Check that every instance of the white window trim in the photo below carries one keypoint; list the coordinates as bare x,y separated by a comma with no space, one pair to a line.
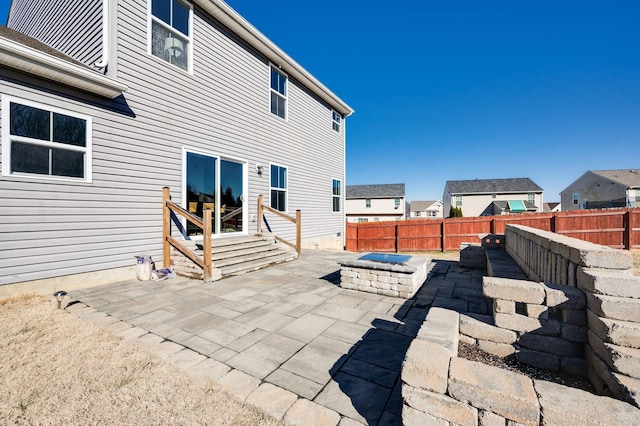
333,121
150,19
333,196
7,138
286,93
286,189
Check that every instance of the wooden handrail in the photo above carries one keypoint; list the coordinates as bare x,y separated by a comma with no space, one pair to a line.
295,220
169,206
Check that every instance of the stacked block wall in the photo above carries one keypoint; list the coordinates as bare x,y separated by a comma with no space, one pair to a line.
612,295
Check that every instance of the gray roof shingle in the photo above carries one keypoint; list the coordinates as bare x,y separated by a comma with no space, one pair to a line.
492,186
390,190
628,177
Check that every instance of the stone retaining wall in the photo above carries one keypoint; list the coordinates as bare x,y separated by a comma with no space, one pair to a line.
439,388
612,293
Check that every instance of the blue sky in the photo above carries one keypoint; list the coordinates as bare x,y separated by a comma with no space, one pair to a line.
447,90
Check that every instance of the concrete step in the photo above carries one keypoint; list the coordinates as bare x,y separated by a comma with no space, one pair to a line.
246,256
265,262
237,255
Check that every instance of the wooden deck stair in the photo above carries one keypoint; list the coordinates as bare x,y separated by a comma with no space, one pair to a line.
234,256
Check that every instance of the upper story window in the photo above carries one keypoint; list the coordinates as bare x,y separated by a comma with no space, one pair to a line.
278,93
170,31
336,195
367,203
336,121
575,199
279,188
532,198
38,140
637,194
458,200
396,203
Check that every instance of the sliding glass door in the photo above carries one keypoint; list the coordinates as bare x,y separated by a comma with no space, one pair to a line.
217,184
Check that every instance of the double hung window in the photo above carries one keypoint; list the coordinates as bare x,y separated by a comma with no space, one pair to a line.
47,142
367,203
278,93
336,195
170,27
458,200
336,121
279,188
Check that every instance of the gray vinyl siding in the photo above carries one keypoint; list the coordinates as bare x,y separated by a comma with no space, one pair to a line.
73,27
53,228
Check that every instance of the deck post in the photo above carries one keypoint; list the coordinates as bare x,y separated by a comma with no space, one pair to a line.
166,227
299,232
260,213
206,243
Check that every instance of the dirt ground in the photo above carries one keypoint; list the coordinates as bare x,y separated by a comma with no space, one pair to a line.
56,368
636,261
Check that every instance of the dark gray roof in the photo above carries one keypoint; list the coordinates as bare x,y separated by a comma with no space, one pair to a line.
390,190
628,177
33,43
492,186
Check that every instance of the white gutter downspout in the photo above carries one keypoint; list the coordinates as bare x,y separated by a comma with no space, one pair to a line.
105,35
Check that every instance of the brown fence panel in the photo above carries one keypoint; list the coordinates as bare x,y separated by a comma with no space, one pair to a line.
419,235
377,236
634,228
464,230
539,221
605,227
618,228
351,238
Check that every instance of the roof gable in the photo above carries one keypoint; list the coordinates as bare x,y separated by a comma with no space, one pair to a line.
492,186
392,190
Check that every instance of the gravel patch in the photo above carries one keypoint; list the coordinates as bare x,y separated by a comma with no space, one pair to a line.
473,353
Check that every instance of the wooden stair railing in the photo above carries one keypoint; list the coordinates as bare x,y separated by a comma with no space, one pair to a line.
295,220
169,206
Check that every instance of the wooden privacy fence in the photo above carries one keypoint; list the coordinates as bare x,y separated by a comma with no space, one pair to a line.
618,228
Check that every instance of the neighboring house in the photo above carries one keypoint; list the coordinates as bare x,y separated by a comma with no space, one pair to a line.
488,197
601,189
130,96
426,209
551,207
375,203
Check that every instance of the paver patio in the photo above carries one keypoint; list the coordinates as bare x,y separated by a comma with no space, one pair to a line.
287,334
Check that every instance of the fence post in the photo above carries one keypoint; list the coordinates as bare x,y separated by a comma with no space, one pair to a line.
396,232
552,224
166,227
628,230
442,239
492,226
